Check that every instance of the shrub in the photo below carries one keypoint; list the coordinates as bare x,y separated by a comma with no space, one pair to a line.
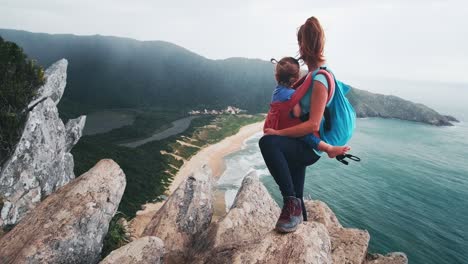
116,236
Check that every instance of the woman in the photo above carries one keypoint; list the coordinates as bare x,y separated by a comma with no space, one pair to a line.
285,155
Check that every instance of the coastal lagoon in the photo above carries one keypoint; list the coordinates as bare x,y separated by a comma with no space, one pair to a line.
176,127
107,120
410,191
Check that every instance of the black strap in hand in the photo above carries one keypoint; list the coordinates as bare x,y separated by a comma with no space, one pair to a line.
341,158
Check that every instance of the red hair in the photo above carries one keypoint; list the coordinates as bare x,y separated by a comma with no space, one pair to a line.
311,39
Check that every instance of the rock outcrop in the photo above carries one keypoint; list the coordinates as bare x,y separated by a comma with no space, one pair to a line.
349,245
391,258
69,226
309,244
241,222
41,161
368,104
145,250
184,216
245,234
56,76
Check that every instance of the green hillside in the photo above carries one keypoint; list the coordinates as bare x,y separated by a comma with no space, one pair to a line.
110,72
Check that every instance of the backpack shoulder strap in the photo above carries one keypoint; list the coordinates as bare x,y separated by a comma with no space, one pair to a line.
330,80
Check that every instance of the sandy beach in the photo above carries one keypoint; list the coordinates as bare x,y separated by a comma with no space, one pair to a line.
213,155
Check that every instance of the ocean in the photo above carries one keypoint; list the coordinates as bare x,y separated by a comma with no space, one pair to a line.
410,191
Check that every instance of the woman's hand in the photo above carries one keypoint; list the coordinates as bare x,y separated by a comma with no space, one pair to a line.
271,131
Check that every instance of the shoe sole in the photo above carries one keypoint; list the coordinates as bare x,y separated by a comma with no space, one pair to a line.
287,230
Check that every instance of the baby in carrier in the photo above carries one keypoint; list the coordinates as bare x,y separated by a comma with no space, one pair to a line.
286,74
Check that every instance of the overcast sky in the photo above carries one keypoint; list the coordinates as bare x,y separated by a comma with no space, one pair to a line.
419,40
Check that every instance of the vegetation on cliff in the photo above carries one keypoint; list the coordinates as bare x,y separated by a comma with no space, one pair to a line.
19,79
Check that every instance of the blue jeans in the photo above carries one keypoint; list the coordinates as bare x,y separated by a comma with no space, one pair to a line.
287,159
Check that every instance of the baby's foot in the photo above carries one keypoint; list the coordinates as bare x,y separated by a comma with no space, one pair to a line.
336,150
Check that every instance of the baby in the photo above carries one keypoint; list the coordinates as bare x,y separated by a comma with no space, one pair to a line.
286,74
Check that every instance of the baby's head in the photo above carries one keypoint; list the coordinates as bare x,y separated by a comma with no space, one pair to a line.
287,71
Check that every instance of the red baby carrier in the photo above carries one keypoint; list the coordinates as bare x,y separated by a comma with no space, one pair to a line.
343,120
279,117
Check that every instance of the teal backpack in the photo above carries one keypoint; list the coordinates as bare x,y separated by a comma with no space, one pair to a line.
339,122
339,119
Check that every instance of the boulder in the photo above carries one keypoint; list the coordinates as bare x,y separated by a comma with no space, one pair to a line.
41,161
391,258
348,245
245,234
309,244
319,211
145,250
184,216
69,226
252,215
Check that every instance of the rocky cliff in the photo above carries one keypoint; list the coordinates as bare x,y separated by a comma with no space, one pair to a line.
41,161
69,226
245,234
369,104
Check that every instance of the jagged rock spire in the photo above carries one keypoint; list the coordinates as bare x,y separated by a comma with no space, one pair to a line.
41,161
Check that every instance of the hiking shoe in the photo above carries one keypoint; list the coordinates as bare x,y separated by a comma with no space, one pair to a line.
291,215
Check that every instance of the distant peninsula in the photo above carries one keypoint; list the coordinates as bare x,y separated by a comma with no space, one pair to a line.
369,104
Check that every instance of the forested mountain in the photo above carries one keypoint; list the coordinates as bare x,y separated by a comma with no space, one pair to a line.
112,72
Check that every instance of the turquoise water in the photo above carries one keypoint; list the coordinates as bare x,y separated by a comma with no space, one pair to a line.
410,191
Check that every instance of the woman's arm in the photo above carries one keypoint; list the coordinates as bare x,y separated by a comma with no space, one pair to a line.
318,101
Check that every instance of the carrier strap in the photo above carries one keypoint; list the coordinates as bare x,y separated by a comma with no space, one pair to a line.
303,85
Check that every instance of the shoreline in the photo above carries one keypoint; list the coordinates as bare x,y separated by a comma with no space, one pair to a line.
213,155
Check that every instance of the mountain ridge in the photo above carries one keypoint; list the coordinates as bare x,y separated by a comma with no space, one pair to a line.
117,72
